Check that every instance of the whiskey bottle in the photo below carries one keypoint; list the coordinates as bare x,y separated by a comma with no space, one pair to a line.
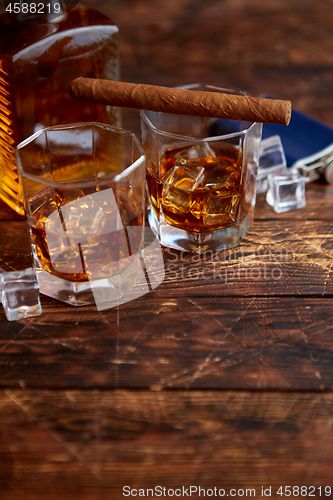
42,48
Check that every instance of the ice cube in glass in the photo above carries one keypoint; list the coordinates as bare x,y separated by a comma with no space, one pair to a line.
220,206
195,152
181,181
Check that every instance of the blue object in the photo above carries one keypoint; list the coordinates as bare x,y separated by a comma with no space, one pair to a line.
304,136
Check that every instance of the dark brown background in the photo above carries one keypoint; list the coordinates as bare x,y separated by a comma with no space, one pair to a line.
280,47
200,382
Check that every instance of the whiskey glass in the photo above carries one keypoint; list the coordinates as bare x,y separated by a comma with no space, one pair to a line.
201,177
84,194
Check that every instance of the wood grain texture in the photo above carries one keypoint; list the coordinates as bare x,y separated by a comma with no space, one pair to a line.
282,47
85,445
185,342
222,376
258,316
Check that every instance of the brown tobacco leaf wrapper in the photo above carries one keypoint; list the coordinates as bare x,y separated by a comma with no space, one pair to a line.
181,101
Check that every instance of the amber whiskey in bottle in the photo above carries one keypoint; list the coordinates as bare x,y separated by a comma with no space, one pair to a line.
40,53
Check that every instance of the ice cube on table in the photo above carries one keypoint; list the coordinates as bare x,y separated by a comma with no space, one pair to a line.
20,294
272,160
181,181
286,191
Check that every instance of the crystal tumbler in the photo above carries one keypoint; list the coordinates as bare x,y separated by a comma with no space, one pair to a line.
201,187
84,190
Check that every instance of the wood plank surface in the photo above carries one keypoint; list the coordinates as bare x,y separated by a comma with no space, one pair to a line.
288,253
222,376
74,444
234,343
257,317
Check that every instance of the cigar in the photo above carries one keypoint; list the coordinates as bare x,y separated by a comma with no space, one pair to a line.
181,101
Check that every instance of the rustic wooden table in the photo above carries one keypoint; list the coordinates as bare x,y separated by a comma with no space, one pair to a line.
221,377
